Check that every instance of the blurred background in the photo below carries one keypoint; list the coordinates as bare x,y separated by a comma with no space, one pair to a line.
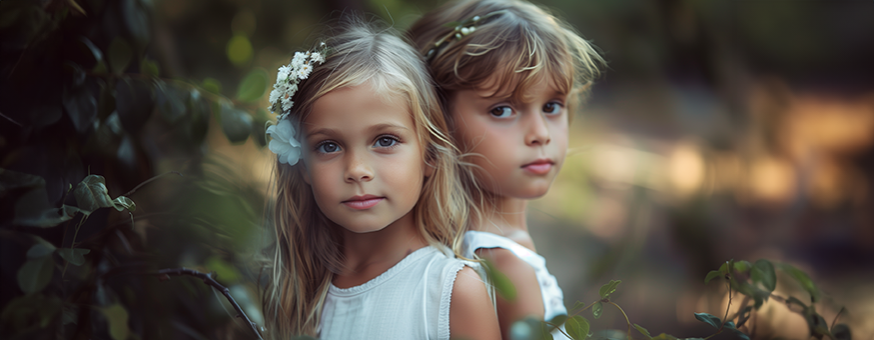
721,130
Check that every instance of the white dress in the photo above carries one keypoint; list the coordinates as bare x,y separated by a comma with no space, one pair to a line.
553,298
408,301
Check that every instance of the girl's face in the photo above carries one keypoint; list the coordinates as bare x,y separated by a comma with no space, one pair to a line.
362,158
518,146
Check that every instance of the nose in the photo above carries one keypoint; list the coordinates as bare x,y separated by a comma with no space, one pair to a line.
537,132
357,168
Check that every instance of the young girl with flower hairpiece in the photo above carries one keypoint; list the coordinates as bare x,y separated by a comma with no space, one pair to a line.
369,212
508,74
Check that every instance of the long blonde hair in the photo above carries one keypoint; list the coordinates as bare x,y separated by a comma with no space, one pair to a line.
308,251
515,44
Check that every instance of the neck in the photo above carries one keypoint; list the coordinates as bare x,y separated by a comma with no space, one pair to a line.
504,215
366,255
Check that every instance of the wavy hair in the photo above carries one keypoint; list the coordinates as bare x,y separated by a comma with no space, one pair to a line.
308,246
514,46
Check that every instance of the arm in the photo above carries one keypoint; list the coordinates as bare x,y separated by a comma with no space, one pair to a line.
528,301
471,315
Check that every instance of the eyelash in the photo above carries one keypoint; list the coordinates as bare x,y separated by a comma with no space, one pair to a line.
394,139
499,109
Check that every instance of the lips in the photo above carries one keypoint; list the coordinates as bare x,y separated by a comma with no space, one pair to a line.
363,202
539,167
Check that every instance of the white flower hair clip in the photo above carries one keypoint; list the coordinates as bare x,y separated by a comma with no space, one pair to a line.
283,142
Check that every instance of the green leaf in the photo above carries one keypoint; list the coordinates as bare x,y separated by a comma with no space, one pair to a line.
236,123
737,332
212,85
40,250
558,320
804,280
121,203
708,319
134,102
712,275
763,272
742,266
577,327
198,120
35,274
117,317
171,102
120,55
608,288
24,310
91,194
644,331
75,256
81,106
70,314
95,53
253,86
597,309
842,332
664,336
578,305
149,67
503,286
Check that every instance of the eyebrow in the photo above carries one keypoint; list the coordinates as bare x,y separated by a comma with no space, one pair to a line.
374,128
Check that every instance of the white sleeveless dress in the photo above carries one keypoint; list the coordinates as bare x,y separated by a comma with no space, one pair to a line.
553,298
408,301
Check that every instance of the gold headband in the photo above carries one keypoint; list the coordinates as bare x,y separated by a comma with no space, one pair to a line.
461,30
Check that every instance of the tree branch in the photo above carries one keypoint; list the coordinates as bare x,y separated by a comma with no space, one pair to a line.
164,274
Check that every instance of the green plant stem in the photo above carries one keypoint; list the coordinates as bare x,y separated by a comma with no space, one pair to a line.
837,316
623,314
559,329
585,308
127,194
723,321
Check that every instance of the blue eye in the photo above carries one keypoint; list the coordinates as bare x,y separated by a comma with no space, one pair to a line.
501,112
328,147
552,108
386,142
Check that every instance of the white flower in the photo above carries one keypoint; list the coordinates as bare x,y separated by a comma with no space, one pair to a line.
283,143
287,104
317,57
299,59
282,75
275,94
304,71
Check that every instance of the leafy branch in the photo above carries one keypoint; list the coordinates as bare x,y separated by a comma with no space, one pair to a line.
164,274
755,281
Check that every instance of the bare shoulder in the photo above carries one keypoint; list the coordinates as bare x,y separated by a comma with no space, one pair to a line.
471,315
528,300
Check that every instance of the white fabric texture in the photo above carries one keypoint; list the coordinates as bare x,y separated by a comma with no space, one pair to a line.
553,298
408,301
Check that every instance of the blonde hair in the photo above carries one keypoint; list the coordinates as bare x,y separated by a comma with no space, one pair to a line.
515,44
308,245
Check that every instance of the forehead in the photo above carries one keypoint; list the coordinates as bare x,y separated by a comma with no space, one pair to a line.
351,108
518,87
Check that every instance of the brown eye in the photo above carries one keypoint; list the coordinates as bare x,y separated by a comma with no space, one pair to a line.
552,108
501,112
